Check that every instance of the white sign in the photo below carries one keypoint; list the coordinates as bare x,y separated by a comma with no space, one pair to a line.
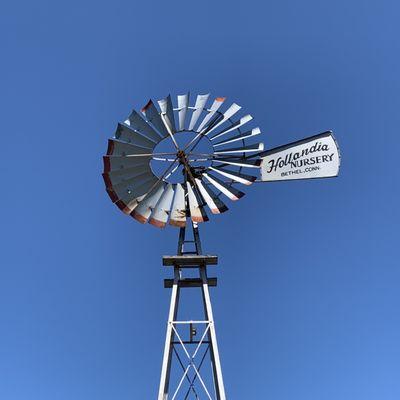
315,157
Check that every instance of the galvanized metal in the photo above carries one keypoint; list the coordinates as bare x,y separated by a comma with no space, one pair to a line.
198,108
183,104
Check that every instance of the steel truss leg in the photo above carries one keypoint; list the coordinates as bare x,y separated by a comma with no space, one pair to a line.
215,361
166,365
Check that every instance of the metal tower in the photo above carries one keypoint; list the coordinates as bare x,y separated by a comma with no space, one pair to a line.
191,366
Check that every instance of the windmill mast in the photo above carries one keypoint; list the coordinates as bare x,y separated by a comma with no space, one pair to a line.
201,339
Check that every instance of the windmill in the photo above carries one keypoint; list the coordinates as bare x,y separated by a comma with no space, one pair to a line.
175,165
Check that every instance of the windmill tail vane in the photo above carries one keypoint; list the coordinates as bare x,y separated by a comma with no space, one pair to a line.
173,165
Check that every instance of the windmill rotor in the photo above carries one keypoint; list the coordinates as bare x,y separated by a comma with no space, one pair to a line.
206,161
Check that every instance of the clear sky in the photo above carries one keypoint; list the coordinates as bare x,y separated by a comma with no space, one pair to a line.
308,301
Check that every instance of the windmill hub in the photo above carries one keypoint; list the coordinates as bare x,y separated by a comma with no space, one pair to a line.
181,157
178,150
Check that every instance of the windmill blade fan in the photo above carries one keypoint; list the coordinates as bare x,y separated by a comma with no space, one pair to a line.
211,112
197,211
235,176
154,117
188,179
120,163
129,135
236,138
178,210
238,162
167,114
136,122
231,111
229,191
113,178
144,208
244,149
201,101
121,148
159,215
183,104
215,204
234,126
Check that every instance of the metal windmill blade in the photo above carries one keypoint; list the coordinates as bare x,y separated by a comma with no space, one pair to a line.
159,215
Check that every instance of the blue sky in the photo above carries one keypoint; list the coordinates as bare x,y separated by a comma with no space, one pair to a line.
308,300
